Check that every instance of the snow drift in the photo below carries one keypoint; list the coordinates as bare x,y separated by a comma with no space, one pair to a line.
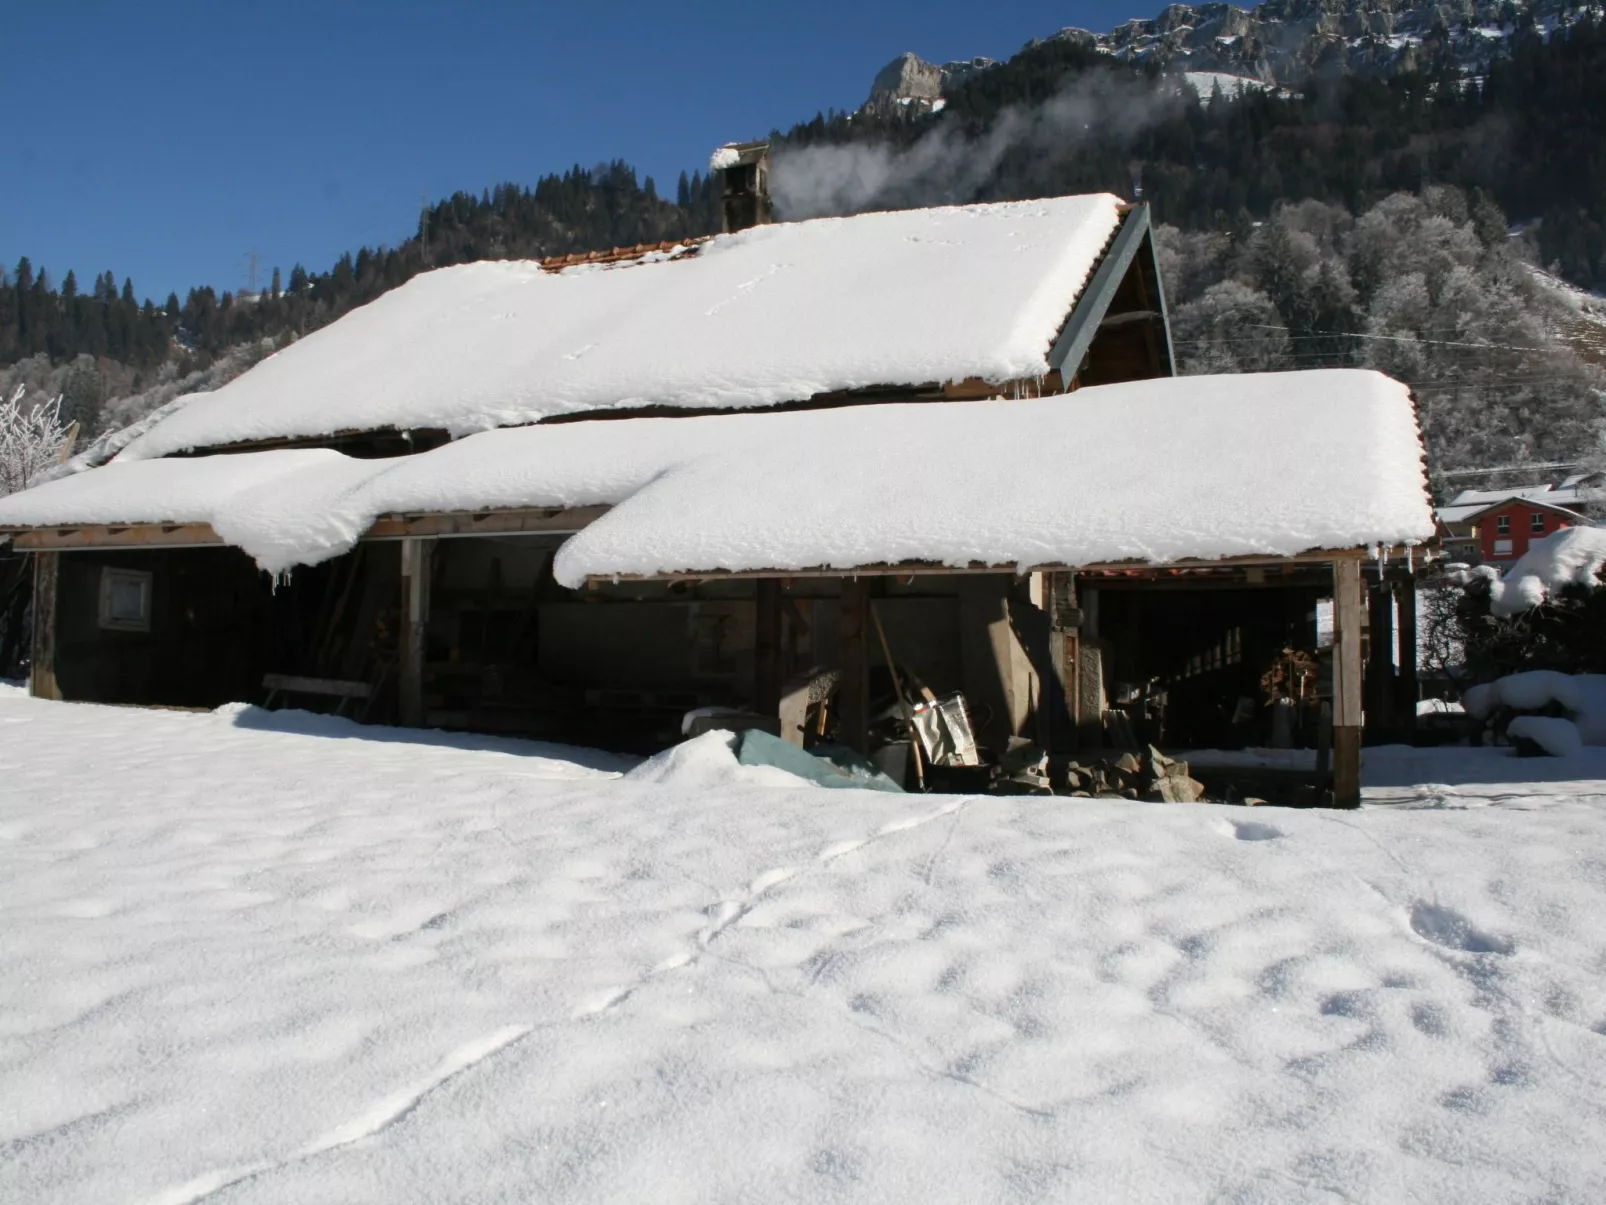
257,967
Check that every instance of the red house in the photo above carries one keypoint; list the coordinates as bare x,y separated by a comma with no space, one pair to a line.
1504,530
1498,525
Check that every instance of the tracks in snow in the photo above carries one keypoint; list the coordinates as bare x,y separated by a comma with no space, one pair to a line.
728,912
375,1119
392,1108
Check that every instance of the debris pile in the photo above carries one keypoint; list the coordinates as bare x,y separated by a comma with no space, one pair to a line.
1153,777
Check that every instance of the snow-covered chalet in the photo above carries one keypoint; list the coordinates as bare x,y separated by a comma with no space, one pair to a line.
773,471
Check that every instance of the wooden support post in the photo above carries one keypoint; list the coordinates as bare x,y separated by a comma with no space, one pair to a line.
1059,684
42,658
1324,749
417,559
1090,695
854,691
767,647
1379,689
1347,683
1406,688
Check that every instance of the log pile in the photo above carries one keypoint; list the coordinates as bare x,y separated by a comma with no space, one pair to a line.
1152,776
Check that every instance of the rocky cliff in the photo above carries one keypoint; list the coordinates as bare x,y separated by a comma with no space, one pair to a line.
910,80
1281,41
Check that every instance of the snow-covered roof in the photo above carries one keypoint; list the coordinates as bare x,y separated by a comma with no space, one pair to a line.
1468,504
769,315
1149,471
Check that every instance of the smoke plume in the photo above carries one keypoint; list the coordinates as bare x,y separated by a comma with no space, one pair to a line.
947,166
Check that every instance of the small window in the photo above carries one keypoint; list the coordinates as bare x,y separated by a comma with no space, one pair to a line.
125,600
1502,548
1536,522
1502,524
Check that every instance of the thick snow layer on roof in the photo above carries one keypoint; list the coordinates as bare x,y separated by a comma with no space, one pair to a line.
773,314
1572,493
724,157
1572,556
1150,471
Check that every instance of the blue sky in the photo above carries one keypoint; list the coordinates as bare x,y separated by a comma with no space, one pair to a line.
166,140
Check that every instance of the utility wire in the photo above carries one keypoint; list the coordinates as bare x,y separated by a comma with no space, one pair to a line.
1257,326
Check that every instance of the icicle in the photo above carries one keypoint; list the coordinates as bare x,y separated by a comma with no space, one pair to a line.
1410,557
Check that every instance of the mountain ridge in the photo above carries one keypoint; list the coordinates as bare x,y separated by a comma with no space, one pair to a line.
1279,42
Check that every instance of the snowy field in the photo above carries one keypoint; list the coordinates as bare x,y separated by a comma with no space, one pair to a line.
241,963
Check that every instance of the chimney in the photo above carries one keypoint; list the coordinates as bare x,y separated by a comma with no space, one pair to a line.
744,168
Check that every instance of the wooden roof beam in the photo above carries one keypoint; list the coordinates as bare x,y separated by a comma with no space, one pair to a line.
1130,570
1076,337
452,525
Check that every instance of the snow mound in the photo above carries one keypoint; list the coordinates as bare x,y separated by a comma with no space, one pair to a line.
1572,556
709,761
773,314
1438,707
1556,736
1582,696
1028,482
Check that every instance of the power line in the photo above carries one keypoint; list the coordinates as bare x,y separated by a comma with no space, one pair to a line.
1529,466
1382,338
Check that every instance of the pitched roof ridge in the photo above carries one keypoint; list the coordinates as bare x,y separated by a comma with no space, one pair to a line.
621,255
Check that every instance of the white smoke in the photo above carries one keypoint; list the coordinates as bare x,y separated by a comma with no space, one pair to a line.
949,167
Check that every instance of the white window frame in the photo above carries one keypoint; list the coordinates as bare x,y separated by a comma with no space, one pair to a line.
110,578
1536,523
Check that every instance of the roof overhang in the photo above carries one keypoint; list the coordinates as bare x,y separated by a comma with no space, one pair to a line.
449,525
1268,570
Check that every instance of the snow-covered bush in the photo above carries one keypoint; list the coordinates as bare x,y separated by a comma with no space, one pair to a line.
1561,713
1545,612
31,439
1571,557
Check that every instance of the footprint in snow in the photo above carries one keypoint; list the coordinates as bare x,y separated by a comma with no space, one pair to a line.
832,852
770,878
1448,928
1254,830
1430,1019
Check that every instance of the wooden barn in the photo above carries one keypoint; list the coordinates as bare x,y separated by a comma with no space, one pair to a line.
817,475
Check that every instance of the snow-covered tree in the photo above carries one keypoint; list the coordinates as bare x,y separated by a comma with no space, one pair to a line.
1425,286
32,438
1233,327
